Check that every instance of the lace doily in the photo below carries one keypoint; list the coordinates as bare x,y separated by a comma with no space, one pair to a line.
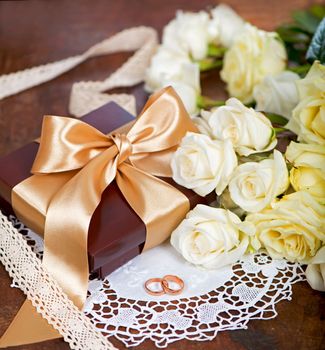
212,301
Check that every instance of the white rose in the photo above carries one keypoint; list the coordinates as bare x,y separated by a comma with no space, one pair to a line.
249,131
254,55
211,237
202,123
202,164
254,186
227,24
188,32
188,95
187,86
315,272
170,68
291,228
277,94
168,65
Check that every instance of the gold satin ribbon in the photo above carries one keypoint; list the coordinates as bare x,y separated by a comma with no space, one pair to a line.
74,164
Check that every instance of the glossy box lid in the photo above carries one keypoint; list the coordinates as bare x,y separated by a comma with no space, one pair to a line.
115,229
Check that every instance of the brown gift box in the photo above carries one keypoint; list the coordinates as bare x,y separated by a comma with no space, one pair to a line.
116,233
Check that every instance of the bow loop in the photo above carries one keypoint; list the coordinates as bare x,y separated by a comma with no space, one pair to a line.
161,125
67,144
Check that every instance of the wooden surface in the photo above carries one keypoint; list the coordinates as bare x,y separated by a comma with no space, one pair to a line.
36,32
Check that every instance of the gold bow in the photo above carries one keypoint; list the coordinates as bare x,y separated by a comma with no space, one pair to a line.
74,164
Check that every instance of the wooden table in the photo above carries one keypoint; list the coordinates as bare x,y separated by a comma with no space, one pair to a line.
36,32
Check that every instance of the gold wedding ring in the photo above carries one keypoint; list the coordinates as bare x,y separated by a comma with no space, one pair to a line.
171,278
154,292
165,285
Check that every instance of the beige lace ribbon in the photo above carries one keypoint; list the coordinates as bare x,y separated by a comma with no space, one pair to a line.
87,96
44,292
21,263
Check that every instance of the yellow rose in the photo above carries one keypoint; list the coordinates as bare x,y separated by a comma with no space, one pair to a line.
310,180
315,272
306,155
292,228
308,118
254,55
308,172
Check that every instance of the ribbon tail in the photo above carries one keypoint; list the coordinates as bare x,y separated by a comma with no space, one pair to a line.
67,225
159,205
27,327
64,259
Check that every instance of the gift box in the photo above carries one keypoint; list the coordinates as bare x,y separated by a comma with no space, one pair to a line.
116,233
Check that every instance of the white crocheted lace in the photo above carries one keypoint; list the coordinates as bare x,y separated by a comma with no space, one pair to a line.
87,96
43,291
212,301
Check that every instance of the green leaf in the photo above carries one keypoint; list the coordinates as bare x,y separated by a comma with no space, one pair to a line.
216,51
250,104
209,63
256,157
276,119
295,56
301,70
306,20
273,134
318,11
293,34
207,103
316,50
279,130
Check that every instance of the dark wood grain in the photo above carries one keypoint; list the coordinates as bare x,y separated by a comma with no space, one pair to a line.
36,32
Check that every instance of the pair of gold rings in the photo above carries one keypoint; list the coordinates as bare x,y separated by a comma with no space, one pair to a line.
165,285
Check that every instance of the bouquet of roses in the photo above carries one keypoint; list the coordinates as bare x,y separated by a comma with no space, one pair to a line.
266,199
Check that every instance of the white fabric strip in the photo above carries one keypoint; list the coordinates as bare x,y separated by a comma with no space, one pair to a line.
87,96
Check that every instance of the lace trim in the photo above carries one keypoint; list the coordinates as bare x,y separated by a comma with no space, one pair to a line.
45,294
87,96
